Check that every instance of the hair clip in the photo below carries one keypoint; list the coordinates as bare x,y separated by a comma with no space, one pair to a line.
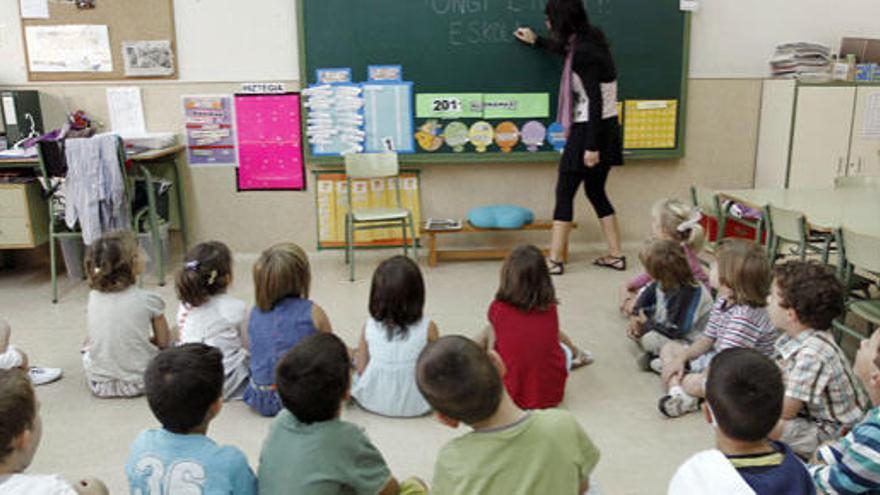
690,223
212,277
192,265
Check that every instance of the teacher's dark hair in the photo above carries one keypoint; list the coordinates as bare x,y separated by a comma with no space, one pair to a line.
569,17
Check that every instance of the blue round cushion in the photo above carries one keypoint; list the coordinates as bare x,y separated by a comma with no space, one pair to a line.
500,217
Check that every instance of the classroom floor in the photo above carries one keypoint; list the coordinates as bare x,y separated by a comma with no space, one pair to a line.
614,401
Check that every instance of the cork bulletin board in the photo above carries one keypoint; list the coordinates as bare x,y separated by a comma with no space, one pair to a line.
126,21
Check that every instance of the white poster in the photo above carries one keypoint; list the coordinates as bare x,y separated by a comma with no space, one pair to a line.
71,48
871,126
126,111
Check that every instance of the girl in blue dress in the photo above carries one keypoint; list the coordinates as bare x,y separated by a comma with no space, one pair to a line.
283,316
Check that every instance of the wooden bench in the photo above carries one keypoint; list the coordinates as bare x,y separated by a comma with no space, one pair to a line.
435,255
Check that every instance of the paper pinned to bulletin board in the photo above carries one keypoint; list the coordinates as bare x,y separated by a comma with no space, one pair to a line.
210,134
270,154
69,48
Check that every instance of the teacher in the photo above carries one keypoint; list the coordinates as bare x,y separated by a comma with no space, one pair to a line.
588,113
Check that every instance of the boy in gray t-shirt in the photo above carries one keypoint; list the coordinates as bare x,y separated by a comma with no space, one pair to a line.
310,450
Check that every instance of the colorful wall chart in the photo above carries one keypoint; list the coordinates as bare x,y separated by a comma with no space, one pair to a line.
270,155
332,203
649,124
210,135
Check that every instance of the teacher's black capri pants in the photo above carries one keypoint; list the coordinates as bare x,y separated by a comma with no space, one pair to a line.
572,172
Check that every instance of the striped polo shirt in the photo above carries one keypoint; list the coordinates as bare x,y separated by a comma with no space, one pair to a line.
740,325
852,463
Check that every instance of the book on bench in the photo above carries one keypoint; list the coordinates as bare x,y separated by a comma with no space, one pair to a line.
443,224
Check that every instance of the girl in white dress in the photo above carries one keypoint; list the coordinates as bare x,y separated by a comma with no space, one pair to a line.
208,315
391,340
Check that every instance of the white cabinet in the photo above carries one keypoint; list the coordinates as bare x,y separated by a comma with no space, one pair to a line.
777,110
811,134
821,136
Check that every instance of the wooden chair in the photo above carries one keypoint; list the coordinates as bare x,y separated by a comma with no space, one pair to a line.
860,252
790,227
372,166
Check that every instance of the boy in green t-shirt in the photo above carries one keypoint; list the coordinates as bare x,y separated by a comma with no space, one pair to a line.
309,450
509,451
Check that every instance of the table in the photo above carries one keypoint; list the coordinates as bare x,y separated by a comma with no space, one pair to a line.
435,254
19,162
826,209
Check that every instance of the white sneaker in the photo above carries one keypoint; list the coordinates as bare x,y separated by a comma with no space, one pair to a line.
676,405
42,376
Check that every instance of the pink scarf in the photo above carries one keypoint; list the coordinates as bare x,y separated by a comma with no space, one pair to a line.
565,106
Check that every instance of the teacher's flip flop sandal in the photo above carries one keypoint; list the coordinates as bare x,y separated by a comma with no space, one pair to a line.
555,267
614,262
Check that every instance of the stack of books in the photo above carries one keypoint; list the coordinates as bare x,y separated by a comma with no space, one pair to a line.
801,60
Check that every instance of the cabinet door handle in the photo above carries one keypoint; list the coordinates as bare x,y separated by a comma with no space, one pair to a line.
859,167
839,165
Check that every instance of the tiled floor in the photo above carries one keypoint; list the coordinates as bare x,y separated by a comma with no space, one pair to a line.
615,403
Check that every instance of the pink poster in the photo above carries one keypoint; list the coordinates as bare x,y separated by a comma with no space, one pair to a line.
270,155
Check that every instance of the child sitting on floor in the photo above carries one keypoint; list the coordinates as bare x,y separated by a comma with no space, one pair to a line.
208,315
675,221
309,449
524,330
852,464
184,387
127,325
741,274
284,315
391,341
509,451
743,403
673,307
20,431
822,396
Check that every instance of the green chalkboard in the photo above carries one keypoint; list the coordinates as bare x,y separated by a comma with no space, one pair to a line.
467,46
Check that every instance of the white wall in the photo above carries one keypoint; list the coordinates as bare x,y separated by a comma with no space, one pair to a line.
736,38
235,40
217,41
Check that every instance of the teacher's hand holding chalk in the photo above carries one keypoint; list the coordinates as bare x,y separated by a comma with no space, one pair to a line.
526,35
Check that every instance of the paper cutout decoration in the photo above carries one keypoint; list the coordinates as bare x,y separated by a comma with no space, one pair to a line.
481,135
516,106
269,142
650,124
456,136
429,137
388,119
506,136
556,135
533,135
